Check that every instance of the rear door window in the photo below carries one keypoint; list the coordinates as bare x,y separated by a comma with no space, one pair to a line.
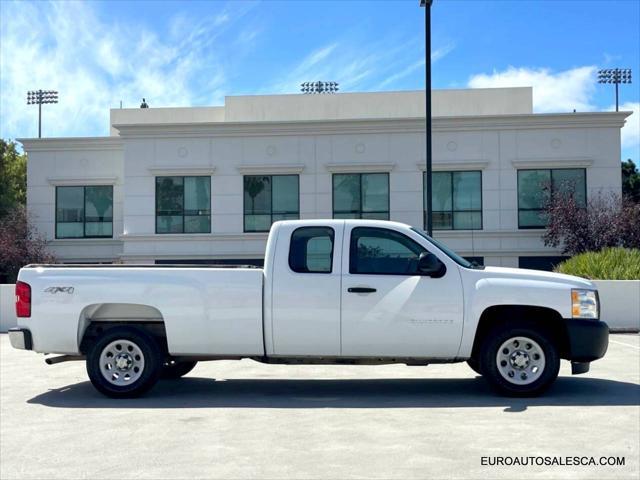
311,250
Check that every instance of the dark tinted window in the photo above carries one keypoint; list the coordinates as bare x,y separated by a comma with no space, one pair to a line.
361,195
382,251
183,204
475,260
84,212
547,263
269,198
535,188
311,250
457,200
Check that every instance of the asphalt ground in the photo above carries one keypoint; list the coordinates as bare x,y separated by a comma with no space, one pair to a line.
238,420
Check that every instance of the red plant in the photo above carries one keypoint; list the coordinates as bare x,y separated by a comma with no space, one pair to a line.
20,244
605,221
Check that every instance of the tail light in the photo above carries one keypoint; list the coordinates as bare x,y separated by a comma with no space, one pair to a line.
23,299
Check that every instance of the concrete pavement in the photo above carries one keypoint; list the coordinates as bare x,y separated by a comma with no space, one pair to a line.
243,419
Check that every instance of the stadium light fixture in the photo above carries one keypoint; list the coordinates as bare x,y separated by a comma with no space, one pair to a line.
615,76
38,97
310,88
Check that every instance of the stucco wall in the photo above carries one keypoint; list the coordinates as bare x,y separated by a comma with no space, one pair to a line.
7,307
620,303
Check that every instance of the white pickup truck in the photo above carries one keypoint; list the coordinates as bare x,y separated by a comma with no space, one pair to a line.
332,292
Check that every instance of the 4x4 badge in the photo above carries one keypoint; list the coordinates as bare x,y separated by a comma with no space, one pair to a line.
59,289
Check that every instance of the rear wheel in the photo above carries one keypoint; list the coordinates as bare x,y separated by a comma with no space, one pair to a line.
520,360
172,369
124,362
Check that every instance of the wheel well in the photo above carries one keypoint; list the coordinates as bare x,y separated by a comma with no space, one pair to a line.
550,320
96,329
97,318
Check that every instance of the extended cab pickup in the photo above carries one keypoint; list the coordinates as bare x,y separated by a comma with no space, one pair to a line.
331,291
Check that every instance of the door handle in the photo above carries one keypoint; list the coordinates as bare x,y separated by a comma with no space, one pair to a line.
361,290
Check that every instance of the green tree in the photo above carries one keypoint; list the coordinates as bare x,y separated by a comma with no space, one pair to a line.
13,177
631,180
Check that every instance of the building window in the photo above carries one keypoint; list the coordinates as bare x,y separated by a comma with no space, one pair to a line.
269,198
361,195
311,250
84,212
183,204
535,188
456,200
547,263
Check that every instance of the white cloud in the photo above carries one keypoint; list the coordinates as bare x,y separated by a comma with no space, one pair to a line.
356,63
552,91
94,65
631,131
441,52
401,74
412,67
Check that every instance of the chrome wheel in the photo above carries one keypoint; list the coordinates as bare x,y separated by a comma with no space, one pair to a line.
121,362
520,360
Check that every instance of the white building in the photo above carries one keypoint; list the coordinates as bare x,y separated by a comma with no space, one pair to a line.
204,184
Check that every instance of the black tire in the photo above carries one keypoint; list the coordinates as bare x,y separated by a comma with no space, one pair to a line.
474,365
172,370
147,375
496,339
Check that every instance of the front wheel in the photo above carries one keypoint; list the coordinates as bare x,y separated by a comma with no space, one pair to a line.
520,361
124,362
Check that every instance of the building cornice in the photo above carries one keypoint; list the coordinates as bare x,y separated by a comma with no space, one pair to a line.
359,167
71,143
462,164
552,162
182,171
273,169
78,242
404,125
66,181
198,237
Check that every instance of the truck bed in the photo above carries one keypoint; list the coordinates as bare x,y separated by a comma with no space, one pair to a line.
206,310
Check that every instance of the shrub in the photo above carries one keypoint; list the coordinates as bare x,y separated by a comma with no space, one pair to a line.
20,244
607,264
605,221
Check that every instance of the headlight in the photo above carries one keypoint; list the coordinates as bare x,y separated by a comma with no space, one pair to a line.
584,304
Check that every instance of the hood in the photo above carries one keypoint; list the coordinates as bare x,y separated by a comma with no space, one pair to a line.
525,274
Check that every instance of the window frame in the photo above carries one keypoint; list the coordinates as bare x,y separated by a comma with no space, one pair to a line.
360,211
352,250
453,211
244,213
84,213
156,177
550,170
333,245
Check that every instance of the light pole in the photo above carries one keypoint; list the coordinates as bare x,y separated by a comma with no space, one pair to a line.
616,76
39,97
427,93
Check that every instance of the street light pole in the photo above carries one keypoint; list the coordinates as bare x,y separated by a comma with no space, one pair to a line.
427,80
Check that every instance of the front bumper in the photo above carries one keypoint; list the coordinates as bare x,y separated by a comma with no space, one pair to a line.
588,339
20,338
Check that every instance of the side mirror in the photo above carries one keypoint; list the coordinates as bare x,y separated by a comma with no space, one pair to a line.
428,264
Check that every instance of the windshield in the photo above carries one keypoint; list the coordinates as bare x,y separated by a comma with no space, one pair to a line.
450,253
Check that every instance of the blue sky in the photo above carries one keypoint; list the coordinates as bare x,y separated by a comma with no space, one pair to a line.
196,52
